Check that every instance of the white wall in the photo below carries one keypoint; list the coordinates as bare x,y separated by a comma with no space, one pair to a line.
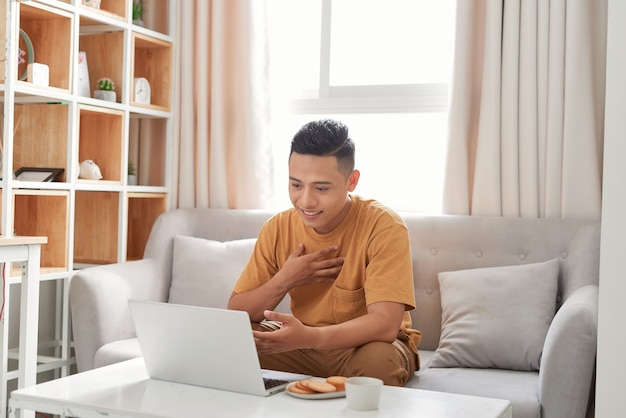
611,371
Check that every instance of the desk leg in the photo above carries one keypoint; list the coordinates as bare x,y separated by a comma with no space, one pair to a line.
4,339
15,412
29,321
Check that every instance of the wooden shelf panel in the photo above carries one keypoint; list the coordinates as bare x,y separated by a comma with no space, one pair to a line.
143,210
96,221
41,136
44,213
152,59
100,139
105,52
50,31
147,149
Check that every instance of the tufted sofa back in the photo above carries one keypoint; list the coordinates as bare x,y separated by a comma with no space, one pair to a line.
448,243
438,243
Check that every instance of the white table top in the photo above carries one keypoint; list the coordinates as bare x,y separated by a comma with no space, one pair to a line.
124,389
21,240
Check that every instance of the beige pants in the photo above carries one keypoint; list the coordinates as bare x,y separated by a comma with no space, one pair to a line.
393,363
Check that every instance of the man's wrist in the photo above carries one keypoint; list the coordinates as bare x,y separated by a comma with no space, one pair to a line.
280,283
318,337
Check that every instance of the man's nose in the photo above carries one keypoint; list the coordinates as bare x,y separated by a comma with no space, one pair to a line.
308,198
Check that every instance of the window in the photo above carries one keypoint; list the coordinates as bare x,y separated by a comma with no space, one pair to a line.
380,66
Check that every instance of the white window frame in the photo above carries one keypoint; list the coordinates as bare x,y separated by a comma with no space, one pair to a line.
409,98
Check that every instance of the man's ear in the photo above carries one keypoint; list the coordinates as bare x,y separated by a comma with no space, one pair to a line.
353,180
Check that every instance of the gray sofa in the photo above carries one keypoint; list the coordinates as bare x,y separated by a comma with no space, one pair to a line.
484,323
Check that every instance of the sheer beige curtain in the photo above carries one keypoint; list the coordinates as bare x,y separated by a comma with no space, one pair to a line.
527,109
222,154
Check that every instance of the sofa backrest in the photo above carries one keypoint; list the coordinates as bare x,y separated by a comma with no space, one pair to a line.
213,224
449,243
438,243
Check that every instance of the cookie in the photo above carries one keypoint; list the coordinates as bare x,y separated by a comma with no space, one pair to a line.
302,384
296,389
319,386
337,381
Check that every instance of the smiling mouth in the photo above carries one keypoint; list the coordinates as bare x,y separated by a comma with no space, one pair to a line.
310,213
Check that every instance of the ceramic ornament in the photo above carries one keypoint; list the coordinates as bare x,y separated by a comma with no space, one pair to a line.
89,170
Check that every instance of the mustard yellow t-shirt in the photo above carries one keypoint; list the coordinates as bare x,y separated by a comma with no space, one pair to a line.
374,241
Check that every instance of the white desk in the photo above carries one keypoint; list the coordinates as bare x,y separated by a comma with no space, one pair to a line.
124,390
26,249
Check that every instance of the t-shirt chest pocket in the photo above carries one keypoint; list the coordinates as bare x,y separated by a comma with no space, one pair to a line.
348,304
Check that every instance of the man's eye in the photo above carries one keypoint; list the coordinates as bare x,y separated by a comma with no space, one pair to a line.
321,189
296,185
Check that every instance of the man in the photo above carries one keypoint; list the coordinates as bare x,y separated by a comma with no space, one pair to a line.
346,264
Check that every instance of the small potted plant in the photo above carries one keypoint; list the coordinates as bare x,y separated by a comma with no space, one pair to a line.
138,11
132,177
105,90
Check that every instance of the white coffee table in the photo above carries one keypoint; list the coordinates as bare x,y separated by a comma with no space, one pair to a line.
124,390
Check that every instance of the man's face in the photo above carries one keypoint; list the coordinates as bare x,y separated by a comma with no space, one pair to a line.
319,191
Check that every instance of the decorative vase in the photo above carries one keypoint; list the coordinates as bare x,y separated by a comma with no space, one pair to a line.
132,180
108,95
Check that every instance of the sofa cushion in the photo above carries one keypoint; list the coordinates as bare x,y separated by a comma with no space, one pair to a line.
204,272
519,387
496,317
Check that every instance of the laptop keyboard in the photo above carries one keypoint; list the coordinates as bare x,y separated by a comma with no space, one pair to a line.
272,383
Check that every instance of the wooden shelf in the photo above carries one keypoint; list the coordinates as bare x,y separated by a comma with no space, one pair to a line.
40,138
96,227
147,149
105,54
143,209
152,59
44,213
50,31
53,127
100,139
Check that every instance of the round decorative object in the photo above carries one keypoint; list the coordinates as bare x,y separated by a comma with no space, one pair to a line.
25,57
142,90
89,170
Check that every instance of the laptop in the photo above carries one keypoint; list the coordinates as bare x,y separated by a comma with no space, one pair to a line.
207,347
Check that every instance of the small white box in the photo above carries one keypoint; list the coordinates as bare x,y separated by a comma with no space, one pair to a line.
38,74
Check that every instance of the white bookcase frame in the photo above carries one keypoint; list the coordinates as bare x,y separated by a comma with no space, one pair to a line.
87,222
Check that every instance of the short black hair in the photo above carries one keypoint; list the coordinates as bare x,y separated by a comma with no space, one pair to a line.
326,137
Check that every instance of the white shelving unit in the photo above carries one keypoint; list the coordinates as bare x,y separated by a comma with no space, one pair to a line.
87,222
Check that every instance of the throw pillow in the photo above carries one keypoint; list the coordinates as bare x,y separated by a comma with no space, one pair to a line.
204,272
496,317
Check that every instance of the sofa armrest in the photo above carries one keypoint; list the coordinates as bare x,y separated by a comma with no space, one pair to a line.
99,303
569,353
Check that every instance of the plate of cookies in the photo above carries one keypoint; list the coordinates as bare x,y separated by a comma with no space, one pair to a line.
313,388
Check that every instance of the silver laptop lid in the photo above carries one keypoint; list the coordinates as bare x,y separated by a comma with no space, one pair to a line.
199,346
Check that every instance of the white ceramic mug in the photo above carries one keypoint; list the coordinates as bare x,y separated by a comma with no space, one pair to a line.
363,393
